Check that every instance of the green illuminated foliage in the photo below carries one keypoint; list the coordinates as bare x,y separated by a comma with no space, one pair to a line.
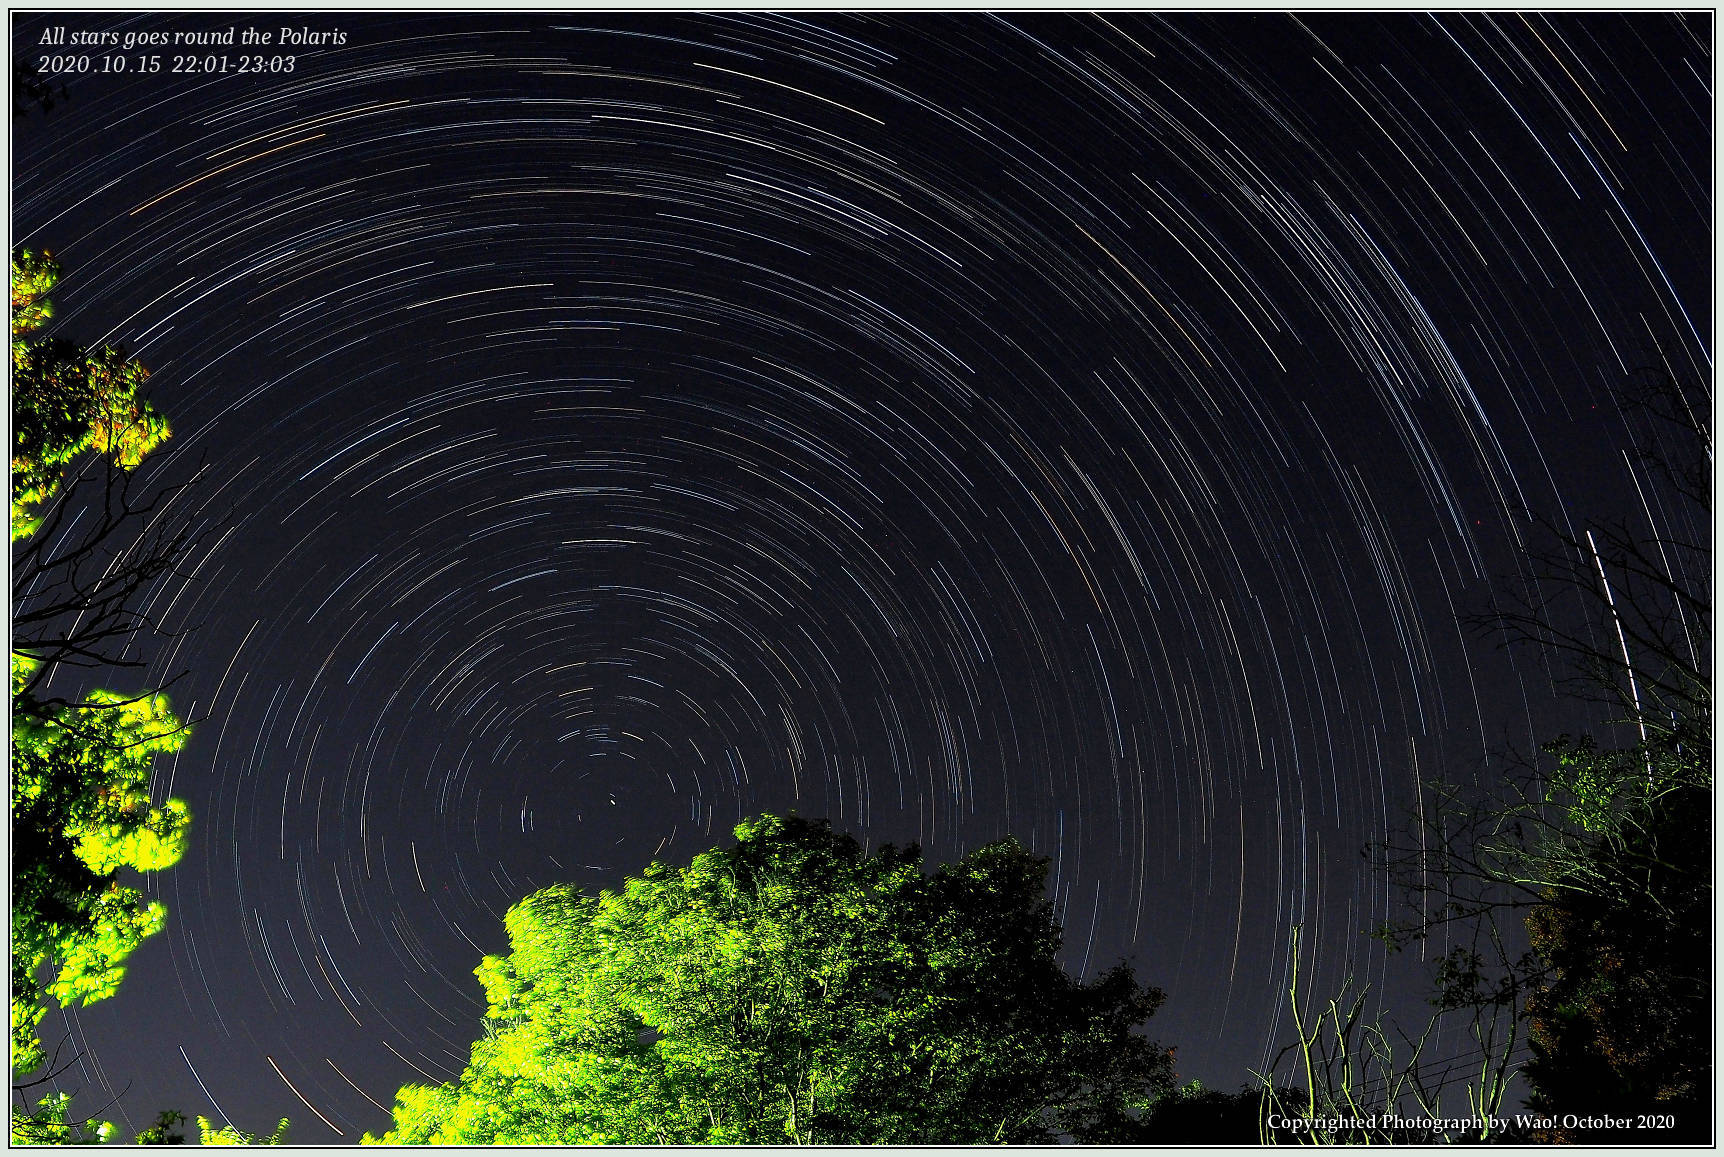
81,805
208,1134
1623,1016
51,1124
66,399
791,989
81,811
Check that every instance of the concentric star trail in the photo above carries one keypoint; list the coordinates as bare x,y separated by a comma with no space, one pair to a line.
1091,428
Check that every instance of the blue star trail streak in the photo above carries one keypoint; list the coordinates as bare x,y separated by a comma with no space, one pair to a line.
1091,428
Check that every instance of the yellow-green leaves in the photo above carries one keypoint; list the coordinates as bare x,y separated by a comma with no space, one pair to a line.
81,812
51,1123
791,989
90,965
155,842
27,1014
66,399
33,275
210,1135
82,808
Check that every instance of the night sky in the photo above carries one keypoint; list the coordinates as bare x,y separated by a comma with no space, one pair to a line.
1087,428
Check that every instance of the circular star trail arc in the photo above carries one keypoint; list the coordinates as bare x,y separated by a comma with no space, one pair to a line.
1087,428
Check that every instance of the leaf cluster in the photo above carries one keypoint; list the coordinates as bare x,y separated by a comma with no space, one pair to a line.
81,812
51,1123
66,398
208,1134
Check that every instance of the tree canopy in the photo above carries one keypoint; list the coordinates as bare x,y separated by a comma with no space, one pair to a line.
1615,850
66,398
1602,849
1623,1017
81,803
81,811
793,989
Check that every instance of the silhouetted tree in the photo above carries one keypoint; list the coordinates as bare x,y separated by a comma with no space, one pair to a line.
1602,850
30,89
1193,1115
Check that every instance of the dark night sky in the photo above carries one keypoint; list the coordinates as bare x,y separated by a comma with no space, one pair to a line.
1088,428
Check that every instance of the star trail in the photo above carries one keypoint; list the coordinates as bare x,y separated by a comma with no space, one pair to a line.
1089,428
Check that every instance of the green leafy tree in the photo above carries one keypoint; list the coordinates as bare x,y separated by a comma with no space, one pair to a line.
80,812
67,399
166,1131
791,989
51,1123
79,566
1623,1018
208,1134
81,806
